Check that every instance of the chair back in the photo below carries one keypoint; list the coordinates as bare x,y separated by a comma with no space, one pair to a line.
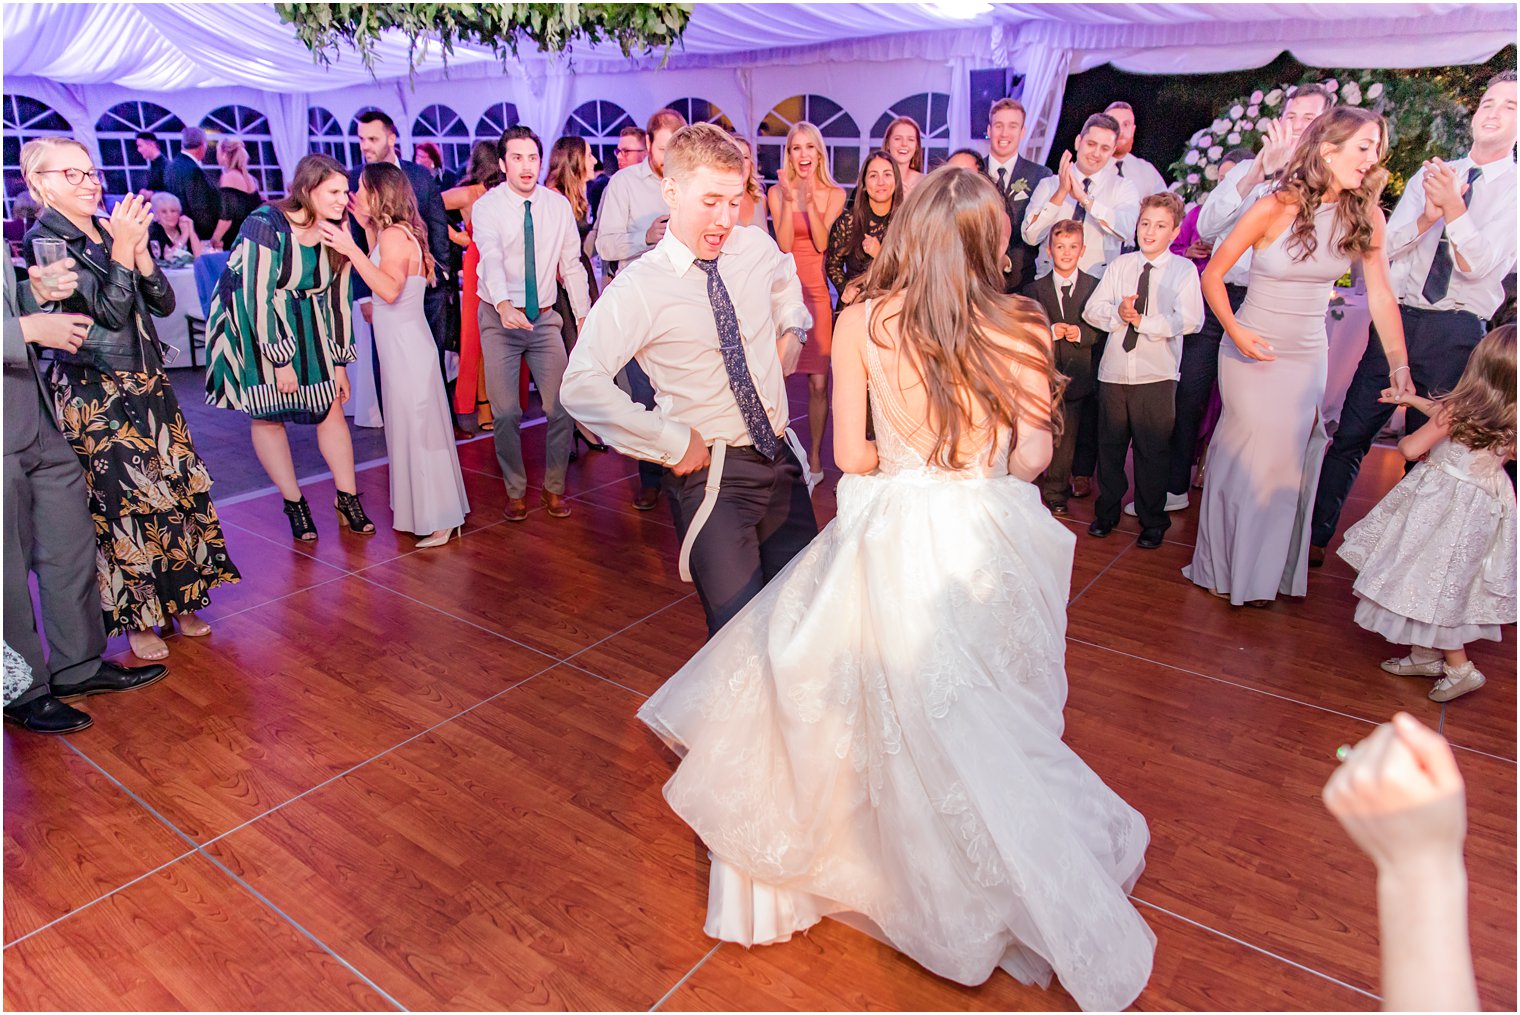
208,271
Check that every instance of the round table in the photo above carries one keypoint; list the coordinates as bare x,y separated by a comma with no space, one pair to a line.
174,330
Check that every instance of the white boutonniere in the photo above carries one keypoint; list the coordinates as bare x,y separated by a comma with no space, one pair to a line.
1019,191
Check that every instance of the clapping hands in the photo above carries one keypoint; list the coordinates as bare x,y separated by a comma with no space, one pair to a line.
1443,190
129,222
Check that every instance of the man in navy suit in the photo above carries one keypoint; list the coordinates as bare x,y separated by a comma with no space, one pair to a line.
1062,293
1015,176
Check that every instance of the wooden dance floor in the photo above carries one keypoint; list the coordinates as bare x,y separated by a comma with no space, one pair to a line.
401,779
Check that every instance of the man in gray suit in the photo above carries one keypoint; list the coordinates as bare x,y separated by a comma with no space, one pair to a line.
47,527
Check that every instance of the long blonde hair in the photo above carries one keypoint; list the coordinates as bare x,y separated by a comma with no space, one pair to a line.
1480,411
392,202
1308,178
232,154
821,173
942,255
752,178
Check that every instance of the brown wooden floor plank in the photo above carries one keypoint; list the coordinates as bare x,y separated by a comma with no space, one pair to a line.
71,835
270,571
521,856
186,938
287,695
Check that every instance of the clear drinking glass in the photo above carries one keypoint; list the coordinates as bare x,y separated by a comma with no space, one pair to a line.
49,251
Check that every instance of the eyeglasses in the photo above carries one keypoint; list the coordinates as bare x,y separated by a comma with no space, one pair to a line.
631,151
74,176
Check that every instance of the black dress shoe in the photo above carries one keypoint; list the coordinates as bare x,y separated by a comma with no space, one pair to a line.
1059,510
1150,539
47,715
115,677
1099,529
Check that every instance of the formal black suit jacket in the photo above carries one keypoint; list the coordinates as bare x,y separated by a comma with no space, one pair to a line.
186,180
1020,254
157,178
1074,359
434,217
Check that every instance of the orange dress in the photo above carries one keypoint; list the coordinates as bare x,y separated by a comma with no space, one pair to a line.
815,293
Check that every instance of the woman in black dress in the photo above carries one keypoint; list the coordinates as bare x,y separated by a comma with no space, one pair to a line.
239,191
855,239
160,545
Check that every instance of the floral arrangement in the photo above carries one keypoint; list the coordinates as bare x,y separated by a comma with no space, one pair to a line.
1424,119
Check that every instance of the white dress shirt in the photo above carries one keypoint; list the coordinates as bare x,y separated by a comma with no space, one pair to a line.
1174,307
1222,208
497,221
630,204
656,311
1109,225
1484,237
1145,178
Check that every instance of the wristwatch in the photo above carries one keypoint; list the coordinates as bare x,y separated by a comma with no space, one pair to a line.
794,330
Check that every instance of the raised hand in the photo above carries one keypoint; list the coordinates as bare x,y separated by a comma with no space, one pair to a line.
337,237
1443,187
1277,147
870,245
129,222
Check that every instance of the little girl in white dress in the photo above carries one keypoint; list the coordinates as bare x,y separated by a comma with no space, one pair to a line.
1436,557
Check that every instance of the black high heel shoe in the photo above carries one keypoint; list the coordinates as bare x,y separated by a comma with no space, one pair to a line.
591,445
351,513
301,525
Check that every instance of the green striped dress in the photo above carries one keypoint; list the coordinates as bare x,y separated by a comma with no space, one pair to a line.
278,302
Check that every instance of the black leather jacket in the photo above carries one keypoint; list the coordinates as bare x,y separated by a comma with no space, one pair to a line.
121,301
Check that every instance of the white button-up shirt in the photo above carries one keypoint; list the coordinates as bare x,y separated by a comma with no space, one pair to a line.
1174,307
656,311
1484,237
1144,177
1222,208
1109,225
497,220
630,204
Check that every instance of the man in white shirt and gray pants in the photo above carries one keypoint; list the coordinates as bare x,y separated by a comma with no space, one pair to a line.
1451,241
527,235
714,314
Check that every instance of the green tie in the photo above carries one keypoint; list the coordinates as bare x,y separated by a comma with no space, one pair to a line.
530,271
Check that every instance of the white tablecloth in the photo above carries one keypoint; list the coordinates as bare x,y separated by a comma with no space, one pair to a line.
172,329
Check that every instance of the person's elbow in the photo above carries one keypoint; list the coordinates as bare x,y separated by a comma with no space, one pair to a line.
856,460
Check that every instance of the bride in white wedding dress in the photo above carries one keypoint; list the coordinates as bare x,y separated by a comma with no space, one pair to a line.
877,736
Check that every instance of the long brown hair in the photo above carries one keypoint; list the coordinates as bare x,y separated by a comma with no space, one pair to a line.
1480,410
311,172
860,206
485,165
966,339
916,160
1308,178
392,202
567,161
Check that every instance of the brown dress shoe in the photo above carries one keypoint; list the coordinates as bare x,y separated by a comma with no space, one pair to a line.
517,509
1081,486
648,497
555,504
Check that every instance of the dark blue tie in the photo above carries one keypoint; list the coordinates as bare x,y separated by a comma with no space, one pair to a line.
731,344
1439,278
1080,215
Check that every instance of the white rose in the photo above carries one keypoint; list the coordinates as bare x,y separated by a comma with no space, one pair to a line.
1233,139
1215,152
1375,89
1211,172
1253,110
1205,141
1351,94
1262,125
1236,112
1274,97
1192,177
1256,97
1332,84
1220,124
1241,125
1190,159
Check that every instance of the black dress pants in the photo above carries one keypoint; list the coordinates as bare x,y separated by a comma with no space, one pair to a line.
1439,343
1137,416
1056,485
1084,459
762,519
1200,371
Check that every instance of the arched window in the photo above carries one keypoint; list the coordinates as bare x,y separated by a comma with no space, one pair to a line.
702,111
24,119
495,120
122,169
840,136
324,135
931,111
442,126
355,156
598,122
249,126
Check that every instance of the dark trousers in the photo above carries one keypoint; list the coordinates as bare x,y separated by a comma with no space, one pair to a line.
1439,343
1084,459
48,530
651,474
1056,486
762,519
1138,416
1195,387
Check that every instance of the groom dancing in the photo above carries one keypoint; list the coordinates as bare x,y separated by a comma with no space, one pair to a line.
714,315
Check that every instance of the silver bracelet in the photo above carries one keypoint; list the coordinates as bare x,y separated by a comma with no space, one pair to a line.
1394,373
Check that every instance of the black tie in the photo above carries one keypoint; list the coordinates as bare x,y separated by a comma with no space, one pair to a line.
731,345
1142,300
1066,303
1439,278
1003,181
1120,167
1080,215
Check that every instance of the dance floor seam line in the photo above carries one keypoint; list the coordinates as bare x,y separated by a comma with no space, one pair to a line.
689,974
627,628
1257,948
1097,576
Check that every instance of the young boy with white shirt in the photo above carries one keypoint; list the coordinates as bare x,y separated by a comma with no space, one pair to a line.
1146,301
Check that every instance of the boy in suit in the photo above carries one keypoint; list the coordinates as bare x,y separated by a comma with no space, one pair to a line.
1063,293
1146,301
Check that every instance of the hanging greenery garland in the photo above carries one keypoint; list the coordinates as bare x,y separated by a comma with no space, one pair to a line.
1424,118
327,29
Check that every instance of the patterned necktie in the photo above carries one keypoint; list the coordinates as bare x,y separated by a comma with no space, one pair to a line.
731,345
1080,215
1003,181
530,269
1142,300
1439,278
